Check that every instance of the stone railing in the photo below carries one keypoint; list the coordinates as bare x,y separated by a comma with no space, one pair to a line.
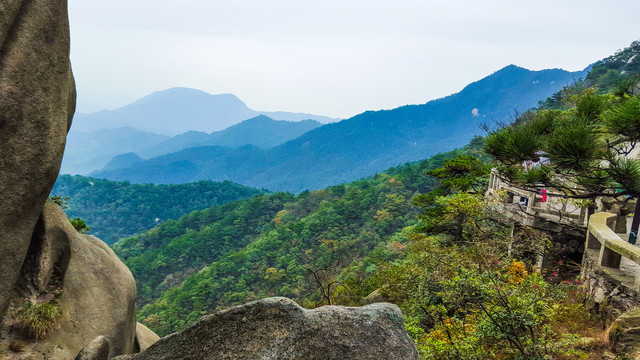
528,203
610,267
612,248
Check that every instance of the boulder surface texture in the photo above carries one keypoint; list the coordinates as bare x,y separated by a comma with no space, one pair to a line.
37,101
624,335
98,349
144,338
277,328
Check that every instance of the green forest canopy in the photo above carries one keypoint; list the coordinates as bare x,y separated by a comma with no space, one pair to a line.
117,209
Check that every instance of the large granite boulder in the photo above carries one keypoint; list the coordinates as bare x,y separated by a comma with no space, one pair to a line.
82,276
37,101
277,328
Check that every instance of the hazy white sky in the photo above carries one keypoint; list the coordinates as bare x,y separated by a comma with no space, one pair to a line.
330,57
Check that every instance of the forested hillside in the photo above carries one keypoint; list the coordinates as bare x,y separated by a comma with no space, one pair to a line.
267,245
116,209
429,246
613,72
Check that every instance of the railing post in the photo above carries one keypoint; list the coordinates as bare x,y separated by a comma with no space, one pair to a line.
584,215
592,242
530,201
608,257
611,223
492,180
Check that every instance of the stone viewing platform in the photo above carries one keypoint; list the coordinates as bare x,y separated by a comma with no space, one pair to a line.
610,266
532,207
607,252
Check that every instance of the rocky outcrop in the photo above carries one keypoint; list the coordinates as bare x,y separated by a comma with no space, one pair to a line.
37,101
98,349
374,297
144,338
82,276
46,267
383,294
612,290
277,328
624,335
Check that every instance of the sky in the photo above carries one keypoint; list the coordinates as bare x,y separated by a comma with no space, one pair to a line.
335,58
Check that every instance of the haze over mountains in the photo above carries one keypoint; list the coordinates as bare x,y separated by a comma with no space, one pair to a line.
260,131
177,110
88,152
359,146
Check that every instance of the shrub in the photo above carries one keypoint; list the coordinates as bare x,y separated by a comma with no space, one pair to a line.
38,320
62,201
80,225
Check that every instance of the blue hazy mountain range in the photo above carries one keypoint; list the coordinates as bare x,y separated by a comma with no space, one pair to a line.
261,131
362,145
177,110
88,152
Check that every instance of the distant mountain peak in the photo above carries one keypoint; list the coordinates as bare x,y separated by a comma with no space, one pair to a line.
258,118
184,95
123,161
177,110
185,91
514,67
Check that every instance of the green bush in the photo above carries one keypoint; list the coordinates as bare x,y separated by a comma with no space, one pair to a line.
38,320
80,225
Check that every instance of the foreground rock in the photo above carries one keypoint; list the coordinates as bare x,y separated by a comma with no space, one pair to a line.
37,101
82,276
98,349
277,328
144,338
624,335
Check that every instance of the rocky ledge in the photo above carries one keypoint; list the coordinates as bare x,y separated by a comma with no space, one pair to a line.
278,328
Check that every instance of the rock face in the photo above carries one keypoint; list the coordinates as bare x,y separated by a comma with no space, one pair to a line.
277,328
88,281
624,335
144,338
37,101
44,262
98,349
612,289
383,294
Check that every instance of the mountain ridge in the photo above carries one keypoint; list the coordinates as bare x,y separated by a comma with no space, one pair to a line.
366,143
102,149
176,110
261,131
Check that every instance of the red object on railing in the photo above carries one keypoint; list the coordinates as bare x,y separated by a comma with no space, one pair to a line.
544,195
